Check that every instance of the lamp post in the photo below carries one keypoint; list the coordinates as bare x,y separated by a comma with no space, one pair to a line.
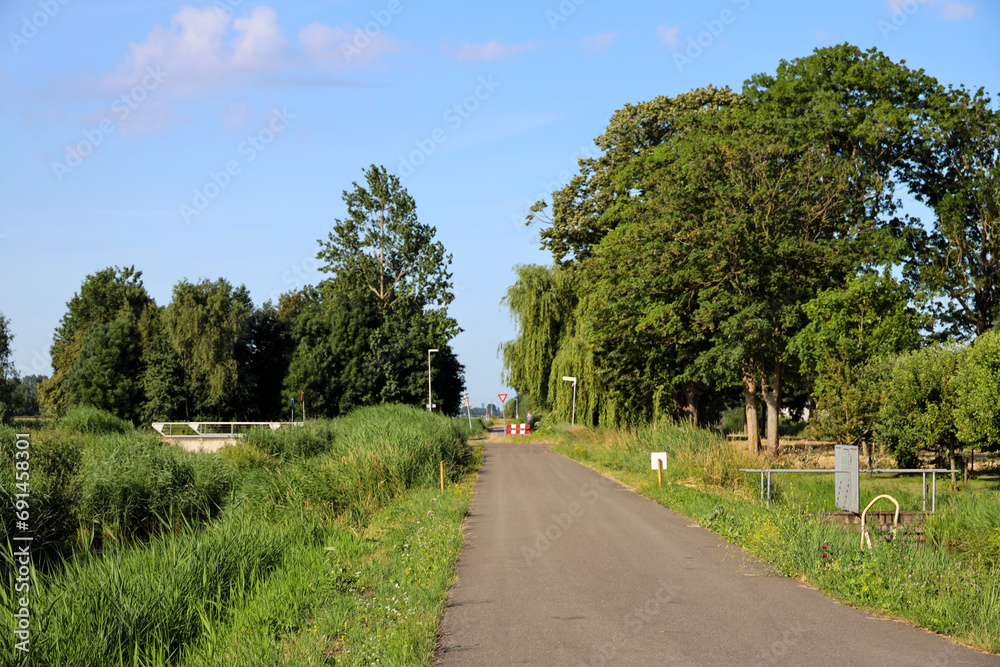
430,402
568,378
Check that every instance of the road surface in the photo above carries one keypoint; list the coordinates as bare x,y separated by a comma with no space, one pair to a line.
565,567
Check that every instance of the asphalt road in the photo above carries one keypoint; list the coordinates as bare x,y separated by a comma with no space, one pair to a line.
565,567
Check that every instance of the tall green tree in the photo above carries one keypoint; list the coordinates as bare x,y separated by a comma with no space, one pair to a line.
163,377
752,228
955,170
382,246
107,372
860,106
109,307
383,251
208,324
580,212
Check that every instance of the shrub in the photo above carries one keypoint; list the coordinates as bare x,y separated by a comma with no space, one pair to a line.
86,419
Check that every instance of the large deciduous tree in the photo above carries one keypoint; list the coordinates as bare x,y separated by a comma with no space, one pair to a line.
94,347
580,212
391,280
956,171
749,228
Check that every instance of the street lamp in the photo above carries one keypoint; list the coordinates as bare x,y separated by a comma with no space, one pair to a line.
568,378
430,403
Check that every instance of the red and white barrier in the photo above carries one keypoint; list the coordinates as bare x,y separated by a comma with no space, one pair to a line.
518,429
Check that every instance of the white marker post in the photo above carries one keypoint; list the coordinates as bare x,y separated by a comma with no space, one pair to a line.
658,460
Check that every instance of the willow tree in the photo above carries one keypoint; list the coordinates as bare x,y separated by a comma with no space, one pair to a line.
208,324
541,303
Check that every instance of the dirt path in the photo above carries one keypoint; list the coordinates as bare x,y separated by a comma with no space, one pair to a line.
566,567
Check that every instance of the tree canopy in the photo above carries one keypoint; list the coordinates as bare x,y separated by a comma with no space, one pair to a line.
725,242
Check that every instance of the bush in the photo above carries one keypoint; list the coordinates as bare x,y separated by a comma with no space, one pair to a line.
86,419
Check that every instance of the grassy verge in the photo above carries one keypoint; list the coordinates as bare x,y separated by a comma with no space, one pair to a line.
950,586
332,545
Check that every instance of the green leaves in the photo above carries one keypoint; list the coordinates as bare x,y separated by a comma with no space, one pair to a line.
208,326
362,337
383,247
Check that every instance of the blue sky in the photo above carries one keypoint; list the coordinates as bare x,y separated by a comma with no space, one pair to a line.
215,139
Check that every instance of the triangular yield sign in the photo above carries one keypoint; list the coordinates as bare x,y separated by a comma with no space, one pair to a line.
502,397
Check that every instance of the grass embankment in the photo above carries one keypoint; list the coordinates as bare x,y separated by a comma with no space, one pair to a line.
950,585
329,544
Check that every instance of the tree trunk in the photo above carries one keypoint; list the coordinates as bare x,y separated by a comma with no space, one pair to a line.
772,398
951,466
752,419
690,399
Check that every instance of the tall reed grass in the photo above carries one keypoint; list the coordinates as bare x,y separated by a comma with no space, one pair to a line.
231,560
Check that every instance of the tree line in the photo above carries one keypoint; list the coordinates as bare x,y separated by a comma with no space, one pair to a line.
359,337
737,248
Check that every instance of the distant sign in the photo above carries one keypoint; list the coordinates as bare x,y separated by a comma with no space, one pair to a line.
502,397
658,457
466,403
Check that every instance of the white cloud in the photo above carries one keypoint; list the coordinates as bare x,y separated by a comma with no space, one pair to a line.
670,35
341,48
205,49
490,50
956,10
952,9
600,41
